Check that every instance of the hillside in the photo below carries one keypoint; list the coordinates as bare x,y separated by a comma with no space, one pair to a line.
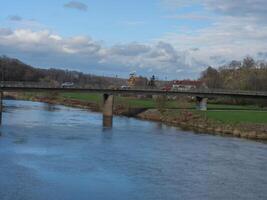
14,70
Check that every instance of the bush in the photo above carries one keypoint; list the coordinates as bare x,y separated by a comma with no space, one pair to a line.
161,103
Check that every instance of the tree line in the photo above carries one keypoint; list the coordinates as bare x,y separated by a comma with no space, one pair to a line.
237,75
14,70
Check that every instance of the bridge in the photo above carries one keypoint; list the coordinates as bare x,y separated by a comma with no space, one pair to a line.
201,95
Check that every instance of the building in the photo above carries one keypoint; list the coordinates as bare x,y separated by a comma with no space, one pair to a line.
184,85
135,81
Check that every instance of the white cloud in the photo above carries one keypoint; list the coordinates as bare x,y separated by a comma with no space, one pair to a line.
132,49
132,23
189,16
239,30
5,31
240,8
89,55
19,22
76,5
229,38
15,18
174,55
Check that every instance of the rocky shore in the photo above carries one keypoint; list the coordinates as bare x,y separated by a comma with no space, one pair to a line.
186,120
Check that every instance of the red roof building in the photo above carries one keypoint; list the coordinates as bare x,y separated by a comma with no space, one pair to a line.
182,85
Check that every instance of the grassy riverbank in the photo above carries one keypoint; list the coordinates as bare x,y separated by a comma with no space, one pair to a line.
247,121
238,116
220,112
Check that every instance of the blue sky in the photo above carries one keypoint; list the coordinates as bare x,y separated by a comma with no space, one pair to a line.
173,38
111,21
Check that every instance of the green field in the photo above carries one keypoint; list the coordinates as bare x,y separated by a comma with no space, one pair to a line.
151,103
240,116
94,98
218,112
128,101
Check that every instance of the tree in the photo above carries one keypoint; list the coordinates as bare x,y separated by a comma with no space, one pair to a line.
235,65
248,63
251,75
161,103
15,70
212,78
152,81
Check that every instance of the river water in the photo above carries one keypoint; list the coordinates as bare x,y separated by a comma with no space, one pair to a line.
57,153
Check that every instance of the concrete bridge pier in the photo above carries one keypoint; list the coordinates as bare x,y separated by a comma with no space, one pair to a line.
202,103
108,110
1,106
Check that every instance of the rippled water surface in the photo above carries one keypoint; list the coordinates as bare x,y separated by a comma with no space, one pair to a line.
58,153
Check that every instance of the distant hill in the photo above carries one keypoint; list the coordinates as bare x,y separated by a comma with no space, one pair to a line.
14,70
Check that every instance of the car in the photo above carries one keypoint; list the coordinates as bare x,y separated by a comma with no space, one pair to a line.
166,88
125,87
67,85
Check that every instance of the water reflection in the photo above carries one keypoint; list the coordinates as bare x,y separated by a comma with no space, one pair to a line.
50,107
107,122
160,126
107,134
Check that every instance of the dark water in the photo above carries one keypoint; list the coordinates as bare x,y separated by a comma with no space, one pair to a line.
58,153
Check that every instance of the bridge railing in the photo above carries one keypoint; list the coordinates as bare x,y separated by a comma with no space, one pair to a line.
26,84
224,91
207,91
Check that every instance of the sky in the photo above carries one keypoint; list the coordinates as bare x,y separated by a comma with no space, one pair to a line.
172,39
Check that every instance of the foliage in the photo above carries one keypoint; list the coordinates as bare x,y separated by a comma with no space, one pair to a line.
15,70
152,82
245,75
161,103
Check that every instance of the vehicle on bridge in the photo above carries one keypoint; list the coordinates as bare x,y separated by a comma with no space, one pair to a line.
184,85
125,87
67,85
167,88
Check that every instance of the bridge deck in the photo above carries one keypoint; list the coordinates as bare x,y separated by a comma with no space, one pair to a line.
204,93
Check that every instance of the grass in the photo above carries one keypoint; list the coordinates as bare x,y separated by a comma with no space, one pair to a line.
94,98
219,112
233,107
238,116
135,103
151,103
132,102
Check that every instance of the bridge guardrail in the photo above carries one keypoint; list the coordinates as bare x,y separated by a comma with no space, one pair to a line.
24,84
224,92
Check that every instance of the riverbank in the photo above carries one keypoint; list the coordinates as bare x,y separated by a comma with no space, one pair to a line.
198,122
185,118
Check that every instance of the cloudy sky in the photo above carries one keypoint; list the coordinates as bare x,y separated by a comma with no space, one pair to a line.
168,38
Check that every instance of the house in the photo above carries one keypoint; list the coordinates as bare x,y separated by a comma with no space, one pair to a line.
184,85
135,81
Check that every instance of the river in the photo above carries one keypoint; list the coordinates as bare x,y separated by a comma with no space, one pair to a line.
60,153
